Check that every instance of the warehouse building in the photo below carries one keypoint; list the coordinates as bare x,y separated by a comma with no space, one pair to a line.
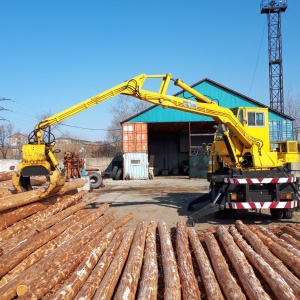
171,142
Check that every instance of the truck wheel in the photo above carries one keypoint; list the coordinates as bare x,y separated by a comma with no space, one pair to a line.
96,180
288,214
276,213
118,175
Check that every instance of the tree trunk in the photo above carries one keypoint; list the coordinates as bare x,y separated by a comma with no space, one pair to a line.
288,238
171,276
9,218
90,286
229,285
39,227
149,279
48,264
281,242
283,254
5,176
251,284
17,228
11,258
94,248
34,195
84,221
107,286
210,282
292,231
278,285
131,274
189,284
268,256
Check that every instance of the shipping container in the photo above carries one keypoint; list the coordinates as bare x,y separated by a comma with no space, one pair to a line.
135,137
135,165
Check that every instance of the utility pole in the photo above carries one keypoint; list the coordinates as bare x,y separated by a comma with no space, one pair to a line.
273,9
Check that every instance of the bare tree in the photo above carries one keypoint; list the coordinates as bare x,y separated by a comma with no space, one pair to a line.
124,108
292,109
5,132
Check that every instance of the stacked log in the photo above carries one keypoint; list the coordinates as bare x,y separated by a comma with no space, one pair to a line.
269,257
228,283
292,231
129,280
171,276
34,195
149,278
251,284
189,284
211,285
89,287
61,248
108,284
277,283
85,220
282,253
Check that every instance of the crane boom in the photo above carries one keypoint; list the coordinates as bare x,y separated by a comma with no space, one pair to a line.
236,144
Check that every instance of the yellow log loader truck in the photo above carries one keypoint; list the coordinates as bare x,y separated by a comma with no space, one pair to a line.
246,170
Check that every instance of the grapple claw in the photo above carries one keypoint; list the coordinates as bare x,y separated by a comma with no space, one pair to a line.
56,182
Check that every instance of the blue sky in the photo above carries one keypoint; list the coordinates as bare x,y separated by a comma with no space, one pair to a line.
57,53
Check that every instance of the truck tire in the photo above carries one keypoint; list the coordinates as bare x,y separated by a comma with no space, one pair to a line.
288,214
114,172
118,175
96,180
276,213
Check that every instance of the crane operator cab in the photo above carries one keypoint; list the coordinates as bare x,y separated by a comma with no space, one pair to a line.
233,153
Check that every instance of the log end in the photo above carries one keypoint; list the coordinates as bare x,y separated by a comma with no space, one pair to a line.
22,289
3,281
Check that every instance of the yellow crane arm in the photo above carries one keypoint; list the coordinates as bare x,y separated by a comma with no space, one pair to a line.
133,87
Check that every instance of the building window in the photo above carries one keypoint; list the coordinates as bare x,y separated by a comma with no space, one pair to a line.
256,118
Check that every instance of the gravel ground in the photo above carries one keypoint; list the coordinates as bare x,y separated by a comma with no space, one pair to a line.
166,199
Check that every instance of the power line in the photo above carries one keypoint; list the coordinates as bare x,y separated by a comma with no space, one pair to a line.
100,129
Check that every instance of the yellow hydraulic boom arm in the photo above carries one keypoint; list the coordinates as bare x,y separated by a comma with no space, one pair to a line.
38,155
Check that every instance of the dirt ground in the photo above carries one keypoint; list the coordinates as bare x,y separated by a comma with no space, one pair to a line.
166,199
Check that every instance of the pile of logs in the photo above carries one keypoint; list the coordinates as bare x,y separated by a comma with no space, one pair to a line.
64,248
